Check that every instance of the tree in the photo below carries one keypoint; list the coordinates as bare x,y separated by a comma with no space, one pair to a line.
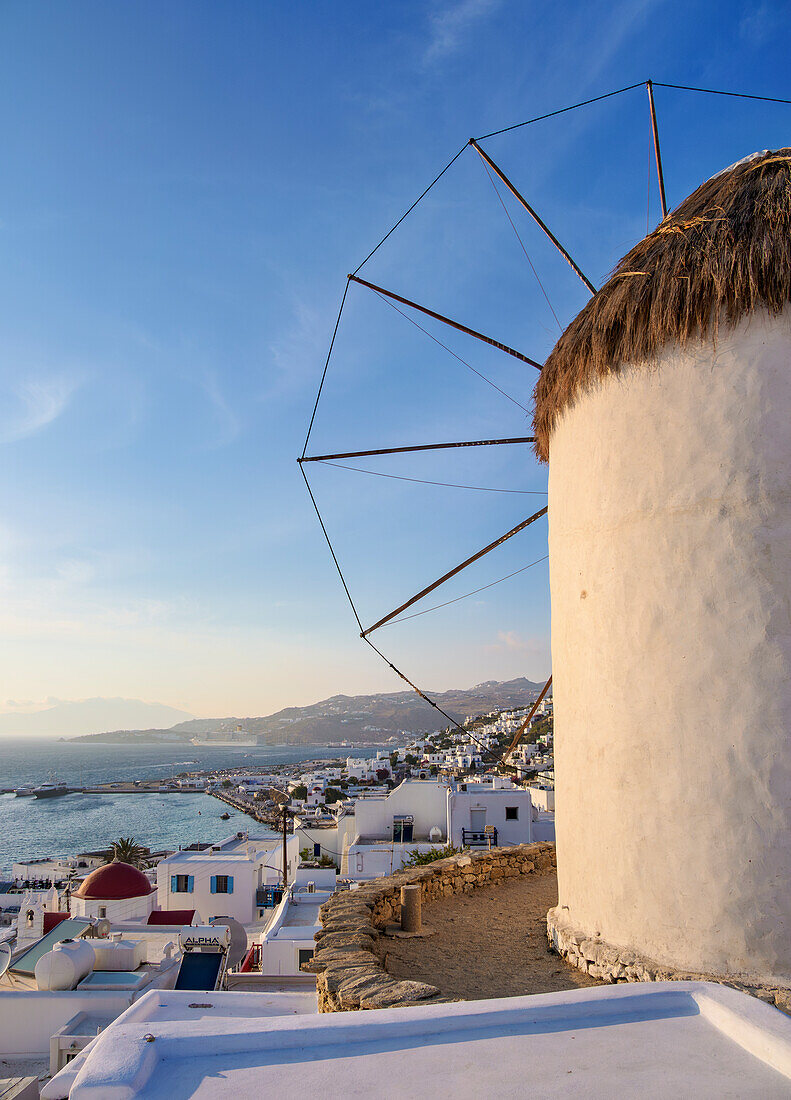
332,795
300,791
226,783
411,760
393,759
127,850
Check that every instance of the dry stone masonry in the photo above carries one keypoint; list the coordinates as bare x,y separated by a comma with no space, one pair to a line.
350,974
609,964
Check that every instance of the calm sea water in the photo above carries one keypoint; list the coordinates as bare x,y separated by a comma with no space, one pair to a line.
32,827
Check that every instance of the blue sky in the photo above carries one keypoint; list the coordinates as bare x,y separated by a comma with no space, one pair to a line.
184,188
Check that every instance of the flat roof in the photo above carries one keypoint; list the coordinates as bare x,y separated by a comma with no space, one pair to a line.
650,1040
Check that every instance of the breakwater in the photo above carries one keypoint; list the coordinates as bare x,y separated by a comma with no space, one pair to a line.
266,816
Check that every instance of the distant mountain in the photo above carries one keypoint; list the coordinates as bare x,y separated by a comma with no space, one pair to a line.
89,716
349,718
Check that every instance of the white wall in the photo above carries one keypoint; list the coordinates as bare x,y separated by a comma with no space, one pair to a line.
247,873
425,800
28,1018
478,796
670,564
543,800
117,910
283,939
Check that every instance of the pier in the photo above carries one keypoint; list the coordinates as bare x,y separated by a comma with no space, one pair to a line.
271,818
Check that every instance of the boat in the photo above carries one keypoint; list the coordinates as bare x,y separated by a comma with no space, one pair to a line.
228,743
225,817
24,792
50,790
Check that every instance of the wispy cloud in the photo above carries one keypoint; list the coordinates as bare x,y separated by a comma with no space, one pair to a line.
450,24
297,354
228,422
35,403
513,641
759,23
625,19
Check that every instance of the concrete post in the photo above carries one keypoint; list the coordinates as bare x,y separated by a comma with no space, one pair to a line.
410,909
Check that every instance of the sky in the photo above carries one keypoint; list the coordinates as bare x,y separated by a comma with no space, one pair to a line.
184,189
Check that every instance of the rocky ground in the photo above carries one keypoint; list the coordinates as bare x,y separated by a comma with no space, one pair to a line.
489,943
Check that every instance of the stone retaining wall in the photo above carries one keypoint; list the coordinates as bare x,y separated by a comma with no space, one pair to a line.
611,964
347,960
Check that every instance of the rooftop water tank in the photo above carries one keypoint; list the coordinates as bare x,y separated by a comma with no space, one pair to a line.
65,965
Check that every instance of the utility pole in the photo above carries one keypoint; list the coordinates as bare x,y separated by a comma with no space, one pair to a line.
285,849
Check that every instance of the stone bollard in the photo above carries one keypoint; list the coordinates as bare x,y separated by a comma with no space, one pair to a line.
410,909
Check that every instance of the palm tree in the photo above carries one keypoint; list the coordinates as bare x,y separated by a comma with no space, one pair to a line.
127,850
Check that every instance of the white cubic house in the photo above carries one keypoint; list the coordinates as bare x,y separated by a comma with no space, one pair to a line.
229,879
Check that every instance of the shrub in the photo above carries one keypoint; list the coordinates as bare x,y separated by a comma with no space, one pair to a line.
419,859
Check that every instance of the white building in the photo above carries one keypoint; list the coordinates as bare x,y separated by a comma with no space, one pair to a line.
661,1039
670,561
226,879
117,892
423,814
288,941
496,810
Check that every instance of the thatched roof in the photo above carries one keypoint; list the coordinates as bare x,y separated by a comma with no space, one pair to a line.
724,252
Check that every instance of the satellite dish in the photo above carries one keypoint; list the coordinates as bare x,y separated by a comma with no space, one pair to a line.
238,948
5,958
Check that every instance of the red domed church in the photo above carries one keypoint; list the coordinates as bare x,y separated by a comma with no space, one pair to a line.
117,891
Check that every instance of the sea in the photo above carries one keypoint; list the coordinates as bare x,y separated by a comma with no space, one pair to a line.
31,828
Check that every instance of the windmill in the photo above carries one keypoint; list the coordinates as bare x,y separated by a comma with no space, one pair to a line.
663,414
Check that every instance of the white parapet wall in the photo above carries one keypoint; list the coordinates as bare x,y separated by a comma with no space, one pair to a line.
28,1018
670,570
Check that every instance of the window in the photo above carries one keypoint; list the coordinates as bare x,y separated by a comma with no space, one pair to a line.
304,956
222,884
181,884
102,910
511,813
403,829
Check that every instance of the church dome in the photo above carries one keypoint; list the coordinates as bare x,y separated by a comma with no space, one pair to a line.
114,882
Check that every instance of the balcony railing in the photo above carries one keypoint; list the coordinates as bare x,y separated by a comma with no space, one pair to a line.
470,839
269,896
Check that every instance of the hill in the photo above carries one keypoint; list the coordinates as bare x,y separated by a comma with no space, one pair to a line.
95,715
347,717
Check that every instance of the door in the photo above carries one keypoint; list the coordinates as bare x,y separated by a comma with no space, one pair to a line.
477,821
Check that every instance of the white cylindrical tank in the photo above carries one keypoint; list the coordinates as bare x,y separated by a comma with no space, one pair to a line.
670,574
65,965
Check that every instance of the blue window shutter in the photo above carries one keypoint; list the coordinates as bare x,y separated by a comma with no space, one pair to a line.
190,883
214,884
173,884
230,884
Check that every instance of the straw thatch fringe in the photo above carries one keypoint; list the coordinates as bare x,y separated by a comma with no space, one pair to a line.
723,253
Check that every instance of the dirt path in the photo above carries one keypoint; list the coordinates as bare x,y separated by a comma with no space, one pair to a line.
490,943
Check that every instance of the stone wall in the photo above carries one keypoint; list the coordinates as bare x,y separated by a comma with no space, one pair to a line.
610,964
347,962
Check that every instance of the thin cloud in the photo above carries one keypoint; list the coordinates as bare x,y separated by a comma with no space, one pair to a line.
38,402
297,354
228,422
450,26
512,640
759,24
